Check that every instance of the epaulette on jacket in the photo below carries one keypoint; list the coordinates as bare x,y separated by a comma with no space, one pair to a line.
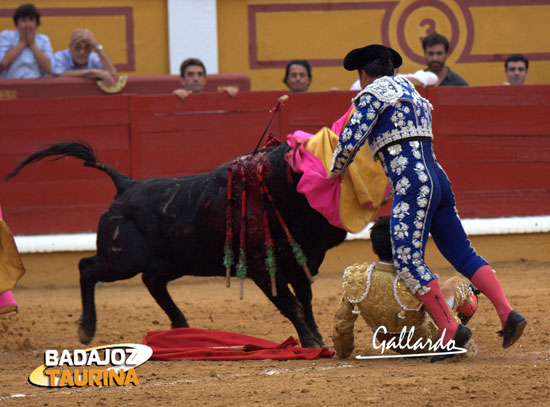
386,89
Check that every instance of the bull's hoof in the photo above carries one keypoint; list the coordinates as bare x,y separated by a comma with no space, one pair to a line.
312,343
85,334
319,339
84,337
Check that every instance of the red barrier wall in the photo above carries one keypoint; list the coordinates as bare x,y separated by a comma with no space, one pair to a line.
493,142
140,84
63,196
173,137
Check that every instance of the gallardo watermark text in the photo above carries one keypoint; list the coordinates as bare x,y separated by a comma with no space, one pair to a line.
425,347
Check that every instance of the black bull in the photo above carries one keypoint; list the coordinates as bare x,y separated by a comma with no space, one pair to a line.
165,228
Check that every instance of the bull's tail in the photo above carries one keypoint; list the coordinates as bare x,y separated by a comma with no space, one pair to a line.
75,149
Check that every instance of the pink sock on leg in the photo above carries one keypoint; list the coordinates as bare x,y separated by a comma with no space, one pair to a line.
439,310
486,281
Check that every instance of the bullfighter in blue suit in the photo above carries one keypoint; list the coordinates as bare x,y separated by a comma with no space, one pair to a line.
395,122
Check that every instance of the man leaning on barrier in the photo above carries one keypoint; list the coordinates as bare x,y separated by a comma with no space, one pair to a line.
79,61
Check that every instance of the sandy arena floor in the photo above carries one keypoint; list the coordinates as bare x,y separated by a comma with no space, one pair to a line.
49,300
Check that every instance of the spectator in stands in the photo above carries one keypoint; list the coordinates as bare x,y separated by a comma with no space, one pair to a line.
298,75
193,79
436,49
79,60
23,52
516,68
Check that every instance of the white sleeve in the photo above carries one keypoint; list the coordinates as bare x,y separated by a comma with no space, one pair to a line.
427,78
356,85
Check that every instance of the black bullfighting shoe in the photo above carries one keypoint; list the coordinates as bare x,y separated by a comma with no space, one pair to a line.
461,338
466,311
513,328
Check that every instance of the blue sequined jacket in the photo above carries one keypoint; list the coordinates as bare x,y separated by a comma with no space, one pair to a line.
387,110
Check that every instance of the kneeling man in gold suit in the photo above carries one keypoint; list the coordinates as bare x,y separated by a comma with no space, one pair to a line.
386,304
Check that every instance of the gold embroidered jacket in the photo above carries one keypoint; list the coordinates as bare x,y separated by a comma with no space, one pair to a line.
377,294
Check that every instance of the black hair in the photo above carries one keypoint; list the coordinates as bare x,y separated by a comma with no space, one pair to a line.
516,58
434,39
380,238
27,10
301,62
188,62
382,66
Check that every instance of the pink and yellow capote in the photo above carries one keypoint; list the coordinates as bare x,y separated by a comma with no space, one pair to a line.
350,201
